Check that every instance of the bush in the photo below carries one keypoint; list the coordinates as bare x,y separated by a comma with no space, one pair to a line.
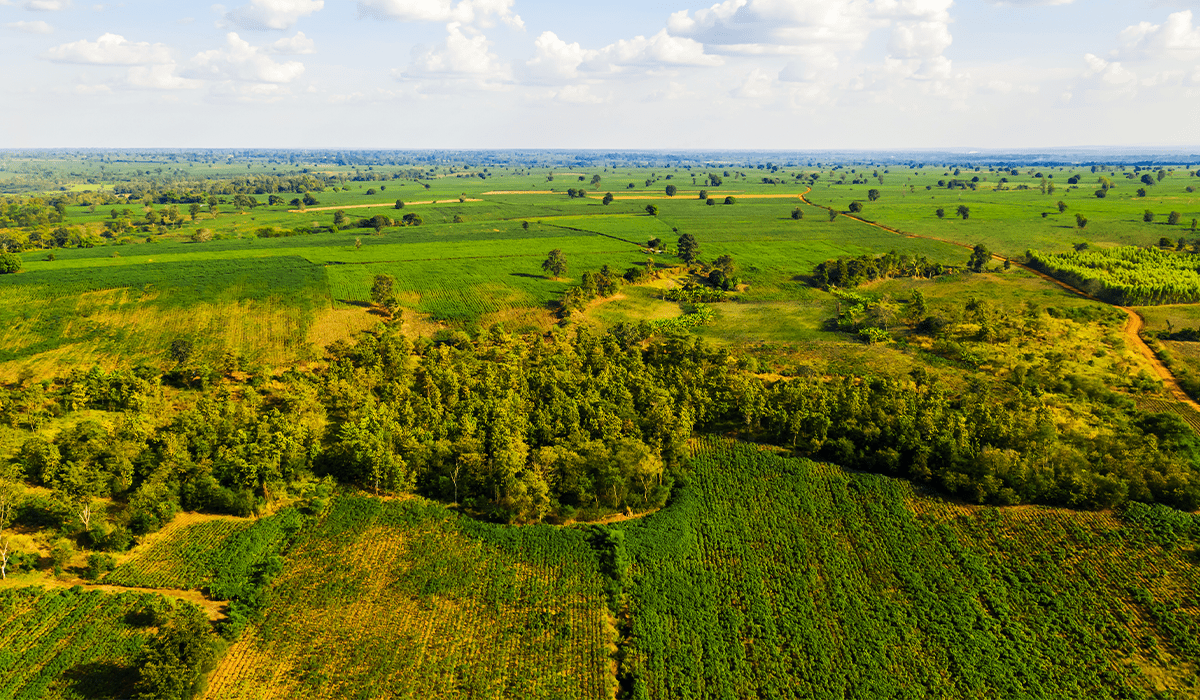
9,263
98,565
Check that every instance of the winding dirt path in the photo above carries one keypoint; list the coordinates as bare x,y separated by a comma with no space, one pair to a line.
1133,325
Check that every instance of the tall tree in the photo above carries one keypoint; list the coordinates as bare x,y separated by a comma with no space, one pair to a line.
671,190
651,210
383,291
687,248
980,256
555,263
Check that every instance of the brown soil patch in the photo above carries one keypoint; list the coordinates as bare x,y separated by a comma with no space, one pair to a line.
214,609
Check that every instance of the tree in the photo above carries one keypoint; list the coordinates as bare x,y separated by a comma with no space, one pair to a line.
797,214
1174,218
383,291
10,491
339,218
1148,216
1080,221
941,213
171,665
703,194
596,180
730,200
872,195
654,244
194,210
855,207
10,263
714,179
964,211
980,256
78,485
399,203
1141,192
671,190
411,219
725,264
651,210
687,248
832,215
1062,206
310,200
555,264
1147,179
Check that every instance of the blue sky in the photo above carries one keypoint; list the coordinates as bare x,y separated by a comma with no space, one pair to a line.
761,74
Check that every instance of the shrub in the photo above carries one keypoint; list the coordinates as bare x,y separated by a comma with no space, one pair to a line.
9,263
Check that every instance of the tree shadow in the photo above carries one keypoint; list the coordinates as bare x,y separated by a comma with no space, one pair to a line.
355,302
101,679
526,274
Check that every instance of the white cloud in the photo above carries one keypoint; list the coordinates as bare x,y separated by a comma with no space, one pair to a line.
1177,38
920,39
110,50
1109,73
578,94
463,12
160,77
47,5
295,45
464,55
555,58
557,61
239,61
272,14
1029,3
758,85
38,27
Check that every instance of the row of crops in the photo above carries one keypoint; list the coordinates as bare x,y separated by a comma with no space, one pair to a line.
69,643
216,556
781,578
406,599
1127,275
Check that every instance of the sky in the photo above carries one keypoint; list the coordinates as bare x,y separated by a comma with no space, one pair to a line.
622,74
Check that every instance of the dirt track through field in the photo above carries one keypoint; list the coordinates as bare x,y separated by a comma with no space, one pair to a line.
1133,325
379,205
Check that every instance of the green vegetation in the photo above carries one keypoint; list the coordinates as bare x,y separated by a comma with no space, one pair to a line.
1127,275
773,577
523,398
405,598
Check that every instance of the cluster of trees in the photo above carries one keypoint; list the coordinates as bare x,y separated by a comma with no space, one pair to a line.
380,222
1127,275
851,272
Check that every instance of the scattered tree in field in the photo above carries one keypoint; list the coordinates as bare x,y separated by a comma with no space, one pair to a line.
10,263
399,204
412,220
714,180
654,244
797,214
194,210
1147,179
1062,206
710,201
608,199
339,218
1101,193
180,351
651,210
1165,242
1174,218
980,257
1161,174
941,213
458,219
964,211
671,190
730,200
1080,221
525,225
1141,192
703,194
832,215
596,180
383,291
310,200
1148,216
872,195
855,207
725,264
555,264
687,248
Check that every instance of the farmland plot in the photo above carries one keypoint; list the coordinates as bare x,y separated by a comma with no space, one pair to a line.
405,599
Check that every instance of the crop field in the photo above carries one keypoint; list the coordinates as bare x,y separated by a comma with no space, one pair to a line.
60,644
215,555
773,577
406,599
